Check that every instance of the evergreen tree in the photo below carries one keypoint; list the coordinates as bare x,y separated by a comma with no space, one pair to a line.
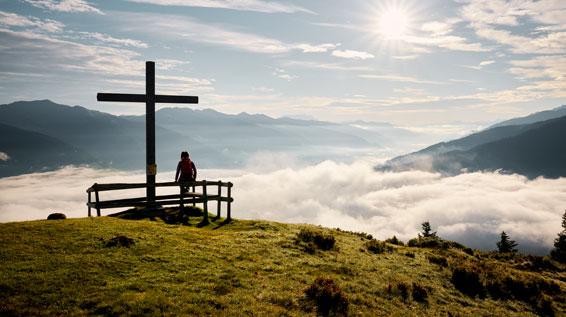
559,251
506,244
427,230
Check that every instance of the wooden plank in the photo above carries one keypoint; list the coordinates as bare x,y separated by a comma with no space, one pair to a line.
218,204
120,97
205,203
97,203
88,203
228,208
175,99
132,202
117,97
181,204
119,186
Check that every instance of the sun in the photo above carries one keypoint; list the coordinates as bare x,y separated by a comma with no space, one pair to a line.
393,23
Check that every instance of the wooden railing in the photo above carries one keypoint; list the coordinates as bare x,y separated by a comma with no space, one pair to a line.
191,197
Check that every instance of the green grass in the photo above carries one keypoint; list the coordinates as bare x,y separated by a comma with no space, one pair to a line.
258,268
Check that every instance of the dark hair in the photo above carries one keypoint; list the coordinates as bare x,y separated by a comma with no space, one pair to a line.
184,154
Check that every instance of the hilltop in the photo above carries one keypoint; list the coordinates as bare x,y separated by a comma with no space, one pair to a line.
78,267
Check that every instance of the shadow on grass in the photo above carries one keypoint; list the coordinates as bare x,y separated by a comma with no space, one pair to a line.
191,216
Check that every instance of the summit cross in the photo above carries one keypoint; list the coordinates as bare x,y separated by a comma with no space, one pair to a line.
150,98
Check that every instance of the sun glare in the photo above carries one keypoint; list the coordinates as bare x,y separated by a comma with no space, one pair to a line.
394,23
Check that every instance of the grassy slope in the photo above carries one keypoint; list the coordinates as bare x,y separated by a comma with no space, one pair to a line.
243,268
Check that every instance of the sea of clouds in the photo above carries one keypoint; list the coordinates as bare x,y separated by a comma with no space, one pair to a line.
470,208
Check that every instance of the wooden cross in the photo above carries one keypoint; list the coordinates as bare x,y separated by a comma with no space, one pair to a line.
150,98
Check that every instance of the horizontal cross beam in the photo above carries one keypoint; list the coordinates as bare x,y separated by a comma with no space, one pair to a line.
143,98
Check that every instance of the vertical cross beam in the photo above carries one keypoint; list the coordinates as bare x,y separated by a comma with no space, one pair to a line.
150,98
151,169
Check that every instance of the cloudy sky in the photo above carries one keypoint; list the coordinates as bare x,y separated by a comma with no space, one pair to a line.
406,62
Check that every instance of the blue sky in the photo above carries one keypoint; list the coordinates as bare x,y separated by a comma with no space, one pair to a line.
406,62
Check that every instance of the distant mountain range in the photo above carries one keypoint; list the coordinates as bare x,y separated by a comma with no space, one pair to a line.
42,135
532,146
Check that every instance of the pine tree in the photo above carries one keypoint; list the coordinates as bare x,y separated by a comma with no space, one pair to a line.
559,251
506,245
427,230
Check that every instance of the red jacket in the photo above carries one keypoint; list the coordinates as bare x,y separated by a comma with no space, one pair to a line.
191,176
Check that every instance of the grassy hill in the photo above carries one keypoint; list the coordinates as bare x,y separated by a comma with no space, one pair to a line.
78,267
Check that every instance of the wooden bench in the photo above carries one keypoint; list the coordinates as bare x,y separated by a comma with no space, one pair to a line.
192,197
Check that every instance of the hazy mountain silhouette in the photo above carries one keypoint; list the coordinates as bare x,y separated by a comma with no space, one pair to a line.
536,149
111,140
259,131
213,138
31,152
535,117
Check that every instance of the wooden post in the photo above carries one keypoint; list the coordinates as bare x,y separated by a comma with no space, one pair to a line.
218,202
205,204
228,210
181,205
89,201
97,202
150,132
194,203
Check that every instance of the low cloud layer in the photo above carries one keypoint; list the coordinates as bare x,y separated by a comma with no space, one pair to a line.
470,208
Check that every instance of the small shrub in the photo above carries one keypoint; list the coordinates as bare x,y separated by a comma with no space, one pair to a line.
467,280
328,297
537,264
439,260
413,242
119,241
362,235
321,240
403,290
378,247
395,241
469,251
410,255
432,242
544,306
56,216
420,293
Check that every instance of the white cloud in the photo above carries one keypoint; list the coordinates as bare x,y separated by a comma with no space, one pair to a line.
15,20
107,39
248,5
470,208
450,42
351,54
179,28
552,43
437,27
405,57
4,156
309,48
480,65
326,66
281,73
27,51
65,5
399,78
488,17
